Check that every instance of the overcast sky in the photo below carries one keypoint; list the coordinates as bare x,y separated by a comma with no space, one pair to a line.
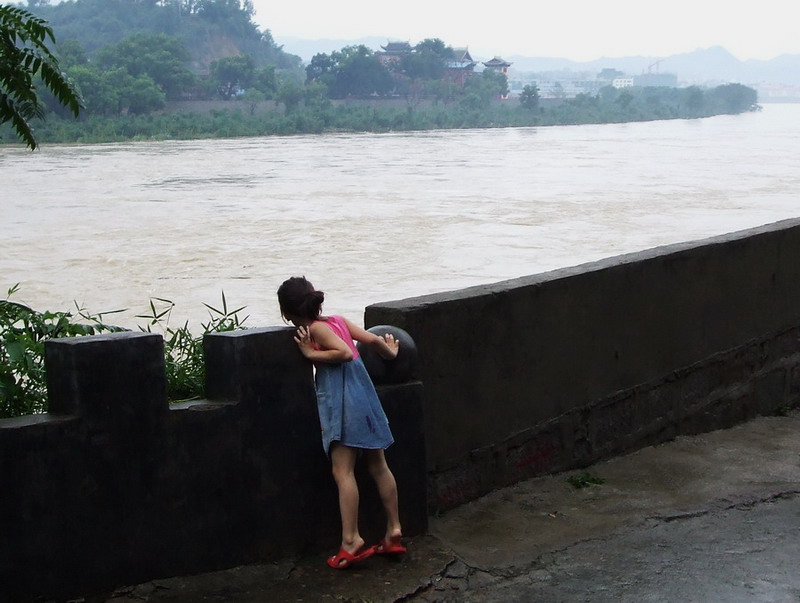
578,29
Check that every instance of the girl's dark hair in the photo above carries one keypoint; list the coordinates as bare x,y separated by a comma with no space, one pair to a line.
298,297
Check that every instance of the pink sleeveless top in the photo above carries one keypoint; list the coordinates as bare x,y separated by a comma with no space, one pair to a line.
339,326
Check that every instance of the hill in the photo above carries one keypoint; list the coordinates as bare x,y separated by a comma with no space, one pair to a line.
210,30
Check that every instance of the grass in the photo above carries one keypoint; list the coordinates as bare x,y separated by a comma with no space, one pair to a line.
584,480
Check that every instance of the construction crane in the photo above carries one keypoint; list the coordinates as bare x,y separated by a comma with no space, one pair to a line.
654,65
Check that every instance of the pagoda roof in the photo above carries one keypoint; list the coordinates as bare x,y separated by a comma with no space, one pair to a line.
397,47
462,54
497,62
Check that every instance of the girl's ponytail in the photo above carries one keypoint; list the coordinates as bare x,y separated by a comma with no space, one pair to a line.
298,297
313,302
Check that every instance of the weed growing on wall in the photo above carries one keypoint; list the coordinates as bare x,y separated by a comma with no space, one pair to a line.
23,332
183,351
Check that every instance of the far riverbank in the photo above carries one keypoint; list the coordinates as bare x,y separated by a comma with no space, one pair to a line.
243,119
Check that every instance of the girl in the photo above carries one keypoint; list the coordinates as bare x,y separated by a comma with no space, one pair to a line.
350,412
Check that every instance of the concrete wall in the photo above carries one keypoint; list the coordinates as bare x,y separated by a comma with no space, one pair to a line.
207,106
557,370
115,486
269,106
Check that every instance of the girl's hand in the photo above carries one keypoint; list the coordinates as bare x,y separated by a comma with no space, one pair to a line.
303,341
393,345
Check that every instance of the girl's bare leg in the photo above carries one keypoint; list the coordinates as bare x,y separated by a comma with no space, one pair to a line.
387,488
343,460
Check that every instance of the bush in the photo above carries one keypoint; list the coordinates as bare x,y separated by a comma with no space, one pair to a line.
23,332
183,352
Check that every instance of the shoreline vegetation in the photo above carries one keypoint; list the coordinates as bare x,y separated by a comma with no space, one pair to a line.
240,118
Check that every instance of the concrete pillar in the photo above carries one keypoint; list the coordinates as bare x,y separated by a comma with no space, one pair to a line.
111,378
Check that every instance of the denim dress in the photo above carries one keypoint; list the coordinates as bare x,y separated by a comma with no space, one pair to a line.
349,409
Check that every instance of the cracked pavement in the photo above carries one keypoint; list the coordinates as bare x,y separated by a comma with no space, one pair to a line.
747,553
711,517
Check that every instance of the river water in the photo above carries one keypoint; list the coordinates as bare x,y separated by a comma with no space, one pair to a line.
374,217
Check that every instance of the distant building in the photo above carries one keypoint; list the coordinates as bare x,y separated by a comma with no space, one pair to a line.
460,68
567,87
663,80
499,65
778,93
560,88
393,53
609,75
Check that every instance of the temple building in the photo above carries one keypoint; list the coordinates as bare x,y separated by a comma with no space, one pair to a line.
393,53
461,67
499,65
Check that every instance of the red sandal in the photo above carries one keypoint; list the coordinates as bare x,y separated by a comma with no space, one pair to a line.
343,559
390,547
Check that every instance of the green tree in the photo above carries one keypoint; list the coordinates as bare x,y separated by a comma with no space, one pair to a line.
441,90
252,98
608,94
733,98
100,96
24,57
71,52
480,91
290,93
357,72
142,95
321,68
428,60
161,57
625,99
529,97
694,99
316,96
422,66
266,81
204,27
437,47
232,74
222,9
115,91
496,80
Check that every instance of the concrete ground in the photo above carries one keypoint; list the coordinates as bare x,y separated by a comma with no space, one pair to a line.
713,517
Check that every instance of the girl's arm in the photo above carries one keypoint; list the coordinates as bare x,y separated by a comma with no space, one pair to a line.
386,346
332,349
